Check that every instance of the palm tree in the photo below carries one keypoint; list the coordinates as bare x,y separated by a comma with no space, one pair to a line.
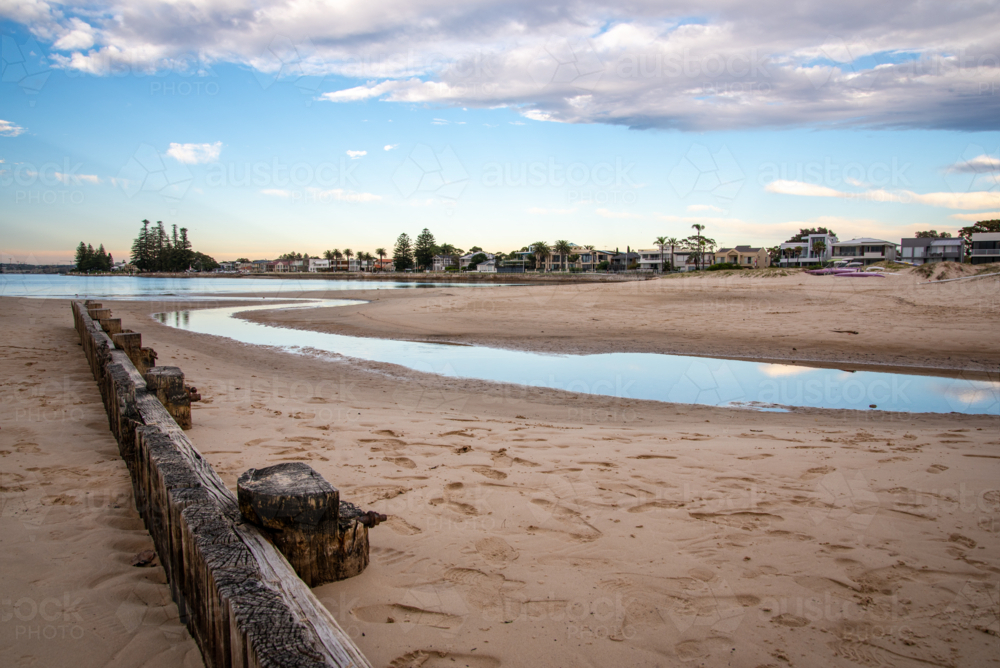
700,228
348,253
328,255
661,242
381,254
819,246
541,250
563,248
673,242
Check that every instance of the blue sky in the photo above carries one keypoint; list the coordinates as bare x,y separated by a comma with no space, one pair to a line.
490,132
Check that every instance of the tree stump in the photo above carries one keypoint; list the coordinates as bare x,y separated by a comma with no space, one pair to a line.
323,538
167,382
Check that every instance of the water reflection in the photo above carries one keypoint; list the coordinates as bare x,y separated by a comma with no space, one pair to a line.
670,378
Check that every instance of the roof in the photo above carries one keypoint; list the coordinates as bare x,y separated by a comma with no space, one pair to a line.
863,240
739,249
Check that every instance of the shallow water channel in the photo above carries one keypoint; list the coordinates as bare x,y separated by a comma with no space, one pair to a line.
668,378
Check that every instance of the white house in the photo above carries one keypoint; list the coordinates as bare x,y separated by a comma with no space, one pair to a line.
316,264
864,250
814,249
466,259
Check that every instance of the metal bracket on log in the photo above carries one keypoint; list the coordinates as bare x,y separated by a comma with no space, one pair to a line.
323,538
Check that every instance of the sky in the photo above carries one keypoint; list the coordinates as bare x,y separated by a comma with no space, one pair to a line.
271,127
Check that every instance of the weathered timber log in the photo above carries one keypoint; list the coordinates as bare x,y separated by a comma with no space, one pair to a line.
323,538
111,326
97,314
131,342
236,593
168,384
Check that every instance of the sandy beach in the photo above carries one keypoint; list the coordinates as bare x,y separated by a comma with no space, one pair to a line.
539,527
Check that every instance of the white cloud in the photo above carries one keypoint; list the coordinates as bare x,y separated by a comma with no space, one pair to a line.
641,64
704,207
951,200
277,192
804,189
389,147
977,165
357,154
976,217
79,36
193,154
8,129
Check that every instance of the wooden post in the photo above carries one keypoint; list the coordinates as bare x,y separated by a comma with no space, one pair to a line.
131,342
111,326
167,382
323,538
99,313
238,596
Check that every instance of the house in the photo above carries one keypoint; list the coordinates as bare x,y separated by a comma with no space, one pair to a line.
687,260
622,261
864,250
316,264
488,267
936,249
985,247
652,260
559,262
814,249
466,259
385,264
442,262
745,256
262,266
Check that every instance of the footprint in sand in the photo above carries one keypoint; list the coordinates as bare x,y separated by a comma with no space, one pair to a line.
395,613
493,474
402,462
496,550
401,526
433,659
936,468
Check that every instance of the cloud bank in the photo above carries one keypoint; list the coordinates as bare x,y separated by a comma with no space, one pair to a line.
675,64
194,154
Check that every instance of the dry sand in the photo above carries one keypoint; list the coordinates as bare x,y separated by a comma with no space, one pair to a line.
537,527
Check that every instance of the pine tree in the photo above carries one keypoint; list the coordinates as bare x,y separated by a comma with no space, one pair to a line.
424,249
402,254
184,250
81,257
141,249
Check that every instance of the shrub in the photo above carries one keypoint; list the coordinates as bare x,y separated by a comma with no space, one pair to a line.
722,265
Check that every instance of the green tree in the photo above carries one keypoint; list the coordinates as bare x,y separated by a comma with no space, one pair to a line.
699,244
673,242
806,231
475,260
563,249
661,242
423,249
819,247
402,253
540,250
142,255
979,227
381,254
81,257
348,253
